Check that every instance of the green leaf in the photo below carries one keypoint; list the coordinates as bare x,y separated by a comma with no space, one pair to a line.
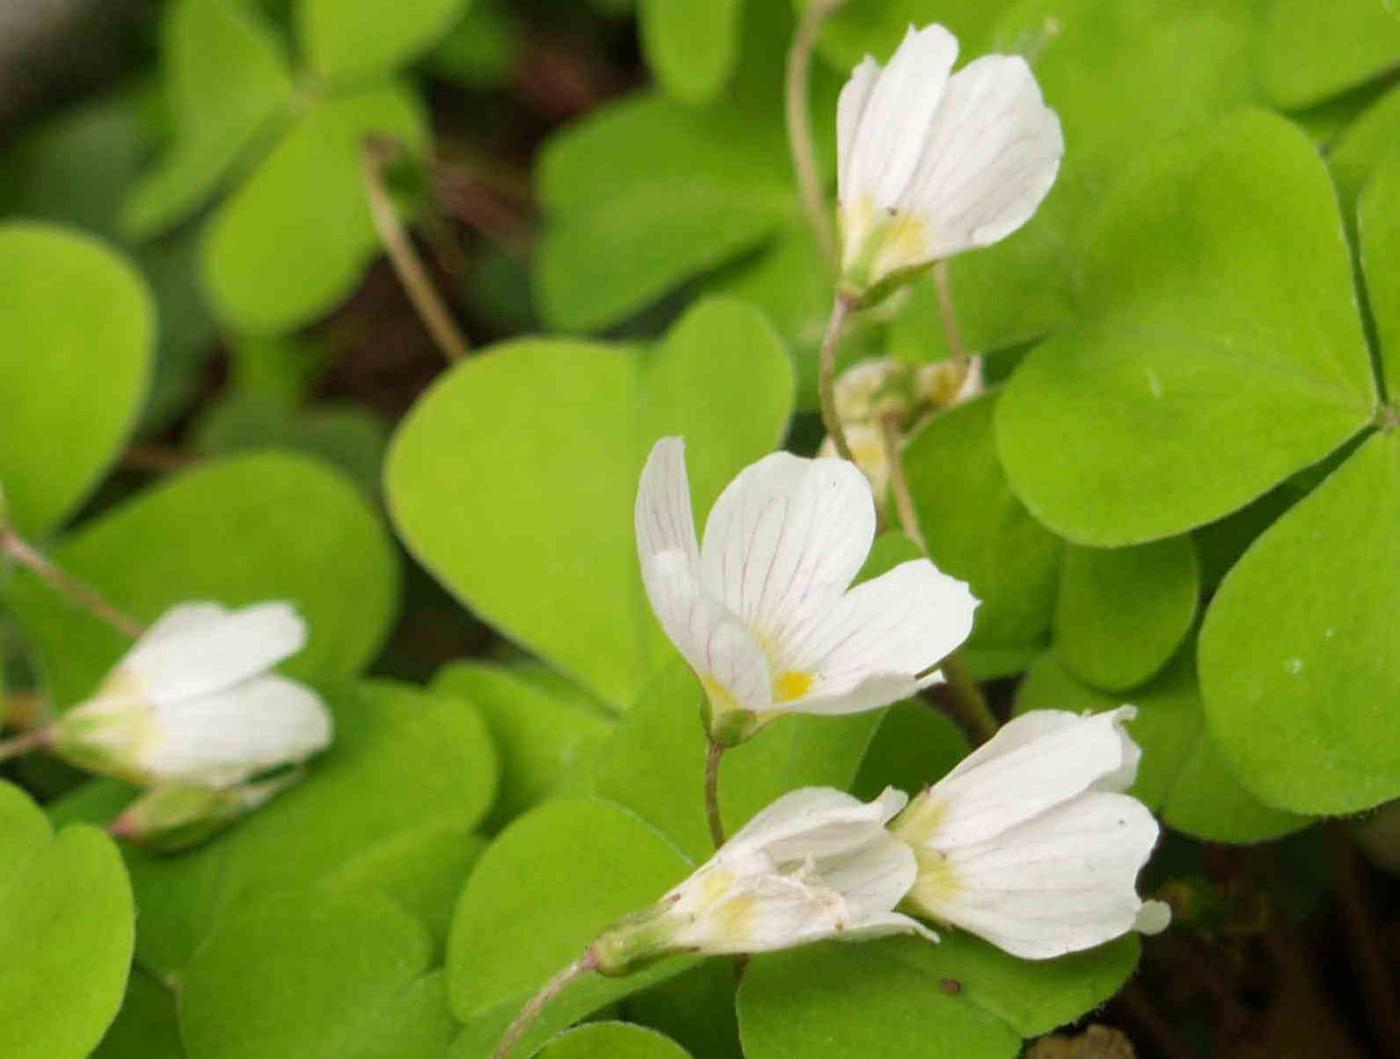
909,997
695,1009
66,930
226,84
1224,351
237,531
1182,775
914,745
80,327
147,1027
671,191
691,45
530,520
542,891
1123,612
1172,65
1305,713
295,238
1362,146
542,738
1379,223
857,30
978,531
343,433
654,764
299,975
612,1040
416,1024
348,41
406,767
1311,49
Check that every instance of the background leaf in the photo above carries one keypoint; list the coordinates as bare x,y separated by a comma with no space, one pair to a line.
349,41
70,400
66,930
691,45
612,1040
1311,49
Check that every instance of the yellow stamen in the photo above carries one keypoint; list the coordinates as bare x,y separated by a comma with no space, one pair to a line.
791,685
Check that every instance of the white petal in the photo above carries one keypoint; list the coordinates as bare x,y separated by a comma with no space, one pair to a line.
849,109
663,517
895,124
991,156
1059,883
785,539
200,649
875,878
719,648
1033,764
882,926
878,640
816,820
221,739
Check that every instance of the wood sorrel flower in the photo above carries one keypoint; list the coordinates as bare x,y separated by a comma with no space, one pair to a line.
169,819
1029,843
762,612
930,164
816,864
192,702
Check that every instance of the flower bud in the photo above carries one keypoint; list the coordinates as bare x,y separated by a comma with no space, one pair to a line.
170,819
192,703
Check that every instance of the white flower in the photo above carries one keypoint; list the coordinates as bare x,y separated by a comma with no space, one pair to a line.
814,865
193,703
762,611
172,818
1029,843
931,165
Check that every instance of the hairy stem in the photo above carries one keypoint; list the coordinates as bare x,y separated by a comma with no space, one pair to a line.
537,1003
799,122
899,482
826,377
716,822
412,275
88,598
947,312
23,744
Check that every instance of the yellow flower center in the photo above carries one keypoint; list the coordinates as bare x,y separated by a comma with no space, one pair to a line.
791,685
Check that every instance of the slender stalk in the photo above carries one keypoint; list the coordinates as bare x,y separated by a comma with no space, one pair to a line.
712,815
899,482
531,1011
23,744
797,92
17,548
407,266
826,373
947,312
964,694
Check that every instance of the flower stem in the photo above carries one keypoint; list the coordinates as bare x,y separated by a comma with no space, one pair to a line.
965,693
967,698
799,122
90,599
959,360
399,248
23,744
712,760
531,1011
826,373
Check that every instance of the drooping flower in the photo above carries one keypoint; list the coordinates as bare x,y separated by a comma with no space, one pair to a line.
933,163
763,611
816,864
193,702
1030,842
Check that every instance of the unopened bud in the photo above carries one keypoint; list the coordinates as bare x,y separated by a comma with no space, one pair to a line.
169,819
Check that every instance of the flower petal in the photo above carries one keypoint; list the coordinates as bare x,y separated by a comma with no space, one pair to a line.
849,109
784,540
720,649
1061,882
895,123
815,821
1036,762
989,159
873,646
222,739
199,649
662,515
